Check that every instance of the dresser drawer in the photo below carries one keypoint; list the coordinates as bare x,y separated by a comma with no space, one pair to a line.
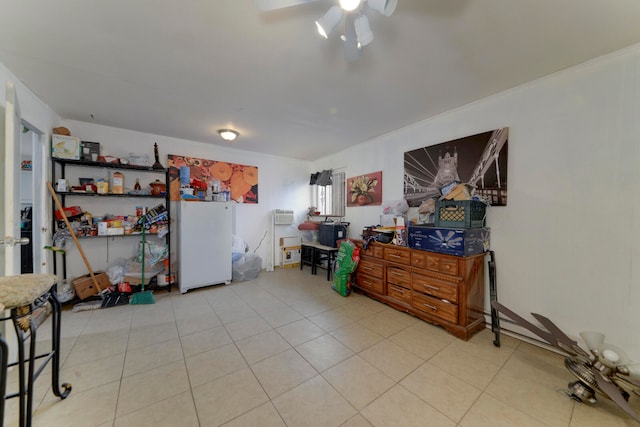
418,259
373,251
399,276
371,268
435,307
399,293
442,264
434,287
370,283
401,256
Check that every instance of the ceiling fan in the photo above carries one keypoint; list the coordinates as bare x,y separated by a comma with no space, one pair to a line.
357,31
605,369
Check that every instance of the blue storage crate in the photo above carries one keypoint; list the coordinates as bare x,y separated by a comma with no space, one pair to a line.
460,214
449,241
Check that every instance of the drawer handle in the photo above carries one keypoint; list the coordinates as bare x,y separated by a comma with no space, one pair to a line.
433,288
395,273
365,282
395,256
434,308
367,268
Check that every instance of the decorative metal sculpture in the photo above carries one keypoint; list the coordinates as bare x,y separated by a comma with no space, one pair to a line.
157,164
604,369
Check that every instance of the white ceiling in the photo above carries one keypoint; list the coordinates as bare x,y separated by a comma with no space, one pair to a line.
187,68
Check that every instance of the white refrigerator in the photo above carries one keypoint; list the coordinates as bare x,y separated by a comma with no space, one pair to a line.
205,235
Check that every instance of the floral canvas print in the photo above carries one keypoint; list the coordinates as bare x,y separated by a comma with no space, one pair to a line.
365,189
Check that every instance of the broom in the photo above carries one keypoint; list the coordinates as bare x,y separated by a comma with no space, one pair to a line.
143,297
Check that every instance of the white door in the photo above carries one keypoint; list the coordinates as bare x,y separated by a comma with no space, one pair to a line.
10,176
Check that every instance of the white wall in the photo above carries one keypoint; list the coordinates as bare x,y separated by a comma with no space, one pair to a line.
283,184
567,243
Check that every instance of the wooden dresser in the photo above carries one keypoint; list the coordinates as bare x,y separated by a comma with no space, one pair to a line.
441,289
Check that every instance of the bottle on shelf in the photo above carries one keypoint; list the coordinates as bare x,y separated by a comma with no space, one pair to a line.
137,186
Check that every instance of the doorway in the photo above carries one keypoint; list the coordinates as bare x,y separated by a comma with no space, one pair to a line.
33,208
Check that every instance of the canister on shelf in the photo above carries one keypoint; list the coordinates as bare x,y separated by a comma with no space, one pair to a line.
103,187
118,183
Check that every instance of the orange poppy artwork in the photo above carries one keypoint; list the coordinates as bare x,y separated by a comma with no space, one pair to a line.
240,181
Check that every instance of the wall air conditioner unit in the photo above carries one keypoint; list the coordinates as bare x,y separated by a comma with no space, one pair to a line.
282,217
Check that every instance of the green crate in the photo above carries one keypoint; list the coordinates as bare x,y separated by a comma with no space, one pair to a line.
460,214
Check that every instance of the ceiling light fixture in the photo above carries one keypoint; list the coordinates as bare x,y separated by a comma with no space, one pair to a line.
349,5
328,22
364,35
357,29
228,134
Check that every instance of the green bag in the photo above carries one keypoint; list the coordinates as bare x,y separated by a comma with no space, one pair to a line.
346,263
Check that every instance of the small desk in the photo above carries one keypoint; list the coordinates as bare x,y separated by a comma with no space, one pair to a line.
314,254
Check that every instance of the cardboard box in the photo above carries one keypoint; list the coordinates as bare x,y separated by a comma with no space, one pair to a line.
449,241
291,257
85,287
65,147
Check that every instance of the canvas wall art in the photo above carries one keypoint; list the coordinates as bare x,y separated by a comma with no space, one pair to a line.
240,180
480,160
365,189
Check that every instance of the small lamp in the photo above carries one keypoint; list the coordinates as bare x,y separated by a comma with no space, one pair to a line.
228,134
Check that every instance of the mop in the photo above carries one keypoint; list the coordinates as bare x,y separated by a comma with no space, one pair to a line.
143,297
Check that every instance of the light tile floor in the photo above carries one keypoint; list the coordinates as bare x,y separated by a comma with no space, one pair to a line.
286,350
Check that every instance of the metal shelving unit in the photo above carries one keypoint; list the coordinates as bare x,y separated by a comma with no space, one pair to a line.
58,171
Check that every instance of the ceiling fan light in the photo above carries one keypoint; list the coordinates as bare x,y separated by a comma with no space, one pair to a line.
592,339
350,5
364,35
328,22
612,356
228,134
384,7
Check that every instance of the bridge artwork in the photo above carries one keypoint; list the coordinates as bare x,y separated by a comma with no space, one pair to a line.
479,160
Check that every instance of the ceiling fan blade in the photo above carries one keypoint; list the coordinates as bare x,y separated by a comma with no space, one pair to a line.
269,5
351,49
526,324
561,337
614,394
630,381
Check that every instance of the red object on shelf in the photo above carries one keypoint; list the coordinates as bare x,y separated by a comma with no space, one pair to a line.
69,212
198,184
